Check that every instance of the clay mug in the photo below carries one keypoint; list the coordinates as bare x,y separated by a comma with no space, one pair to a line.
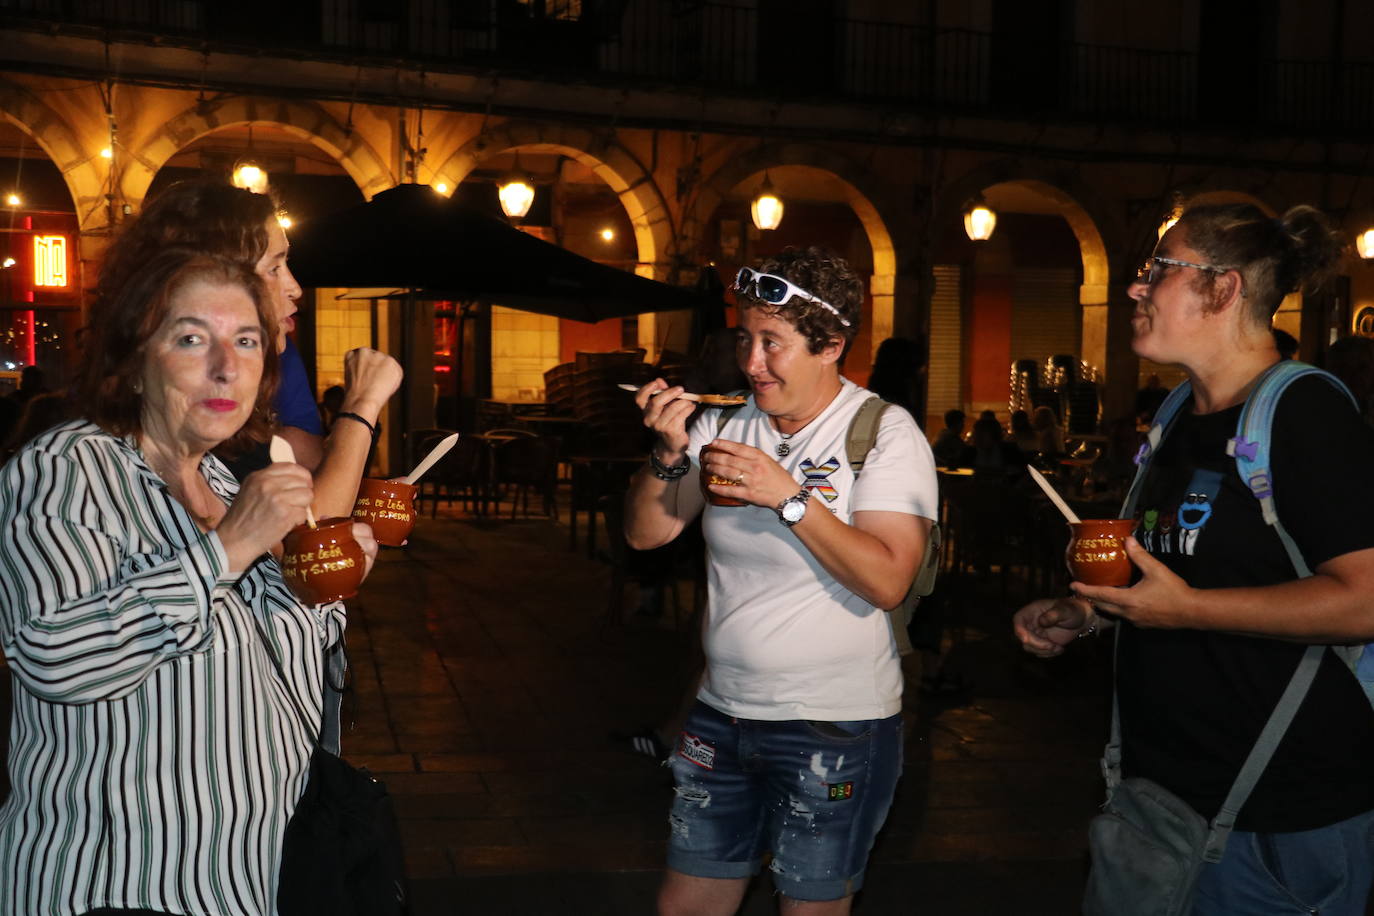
1097,551
389,507
323,563
716,499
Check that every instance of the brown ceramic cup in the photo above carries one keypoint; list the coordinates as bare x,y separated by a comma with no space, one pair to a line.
323,563
707,477
1097,551
389,507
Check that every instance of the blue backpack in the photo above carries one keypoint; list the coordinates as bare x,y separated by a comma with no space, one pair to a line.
1250,448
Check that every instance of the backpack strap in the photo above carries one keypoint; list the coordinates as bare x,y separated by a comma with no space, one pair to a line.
863,432
1163,419
1254,435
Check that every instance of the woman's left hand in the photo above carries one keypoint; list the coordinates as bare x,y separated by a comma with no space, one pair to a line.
1160,599
362,533
761,480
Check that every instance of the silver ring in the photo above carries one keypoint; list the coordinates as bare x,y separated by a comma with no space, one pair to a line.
739,481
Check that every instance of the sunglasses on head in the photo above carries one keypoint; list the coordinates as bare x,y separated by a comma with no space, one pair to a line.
777,290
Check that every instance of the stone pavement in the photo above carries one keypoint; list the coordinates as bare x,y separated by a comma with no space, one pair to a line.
489,680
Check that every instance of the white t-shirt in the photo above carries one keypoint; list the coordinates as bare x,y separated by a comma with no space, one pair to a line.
783,639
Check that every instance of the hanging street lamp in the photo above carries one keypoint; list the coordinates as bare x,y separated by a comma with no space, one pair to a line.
767,206
979,220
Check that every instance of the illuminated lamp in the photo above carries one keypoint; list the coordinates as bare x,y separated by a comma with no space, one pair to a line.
767,206
13,200
250,176
283,219
516,192
441,187
1364,244
607,234
107,153
979,220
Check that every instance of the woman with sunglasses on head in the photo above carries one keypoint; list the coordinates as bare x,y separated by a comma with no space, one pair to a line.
1219,619
794,745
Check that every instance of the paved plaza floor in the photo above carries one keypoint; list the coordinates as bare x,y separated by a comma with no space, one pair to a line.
490,679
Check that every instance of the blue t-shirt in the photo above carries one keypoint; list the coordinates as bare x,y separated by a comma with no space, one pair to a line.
295,402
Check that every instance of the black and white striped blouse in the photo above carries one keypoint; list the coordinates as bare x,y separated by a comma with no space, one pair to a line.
155,756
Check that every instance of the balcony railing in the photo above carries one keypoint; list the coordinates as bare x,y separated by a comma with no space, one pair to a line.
754,47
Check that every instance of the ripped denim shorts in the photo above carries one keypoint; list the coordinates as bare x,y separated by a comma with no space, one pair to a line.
813,794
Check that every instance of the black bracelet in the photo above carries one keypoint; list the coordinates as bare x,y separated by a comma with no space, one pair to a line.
353,416
664,472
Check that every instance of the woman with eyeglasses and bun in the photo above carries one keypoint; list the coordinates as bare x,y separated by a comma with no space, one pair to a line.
794,745
1220,617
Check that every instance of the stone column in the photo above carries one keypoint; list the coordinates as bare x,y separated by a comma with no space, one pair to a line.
1107,314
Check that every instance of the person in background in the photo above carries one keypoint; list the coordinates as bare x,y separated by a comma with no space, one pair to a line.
1351,359
41,413
949,444
331,404
1219,619
1285,343
1148,399
1049,435
157,753
990,452
898,369
801,660
220,219
1022,434
32,383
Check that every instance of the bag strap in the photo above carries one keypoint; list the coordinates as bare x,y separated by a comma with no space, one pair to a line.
315,732
1255,763
1163,419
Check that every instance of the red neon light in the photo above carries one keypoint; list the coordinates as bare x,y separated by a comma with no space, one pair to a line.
442,368
30,349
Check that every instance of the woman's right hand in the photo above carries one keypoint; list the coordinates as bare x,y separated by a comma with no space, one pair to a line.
270,503
666,414
1046,626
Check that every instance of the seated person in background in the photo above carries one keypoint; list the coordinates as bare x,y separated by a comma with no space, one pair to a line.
330,405
1049,435
1022,435
989,451
949,444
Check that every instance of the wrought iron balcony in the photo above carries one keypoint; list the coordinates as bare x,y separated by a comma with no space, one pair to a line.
754,47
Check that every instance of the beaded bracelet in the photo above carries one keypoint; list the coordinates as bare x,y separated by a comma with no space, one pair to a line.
664,472
353,416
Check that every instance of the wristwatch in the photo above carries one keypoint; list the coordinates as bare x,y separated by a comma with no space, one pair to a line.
793,509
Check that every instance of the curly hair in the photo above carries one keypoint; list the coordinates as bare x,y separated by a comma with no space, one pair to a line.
825,275
108,383
1275,257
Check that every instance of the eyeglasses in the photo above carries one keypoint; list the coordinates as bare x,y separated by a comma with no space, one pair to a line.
1154,269
776,290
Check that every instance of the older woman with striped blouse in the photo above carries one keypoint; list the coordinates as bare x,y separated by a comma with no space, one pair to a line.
156,754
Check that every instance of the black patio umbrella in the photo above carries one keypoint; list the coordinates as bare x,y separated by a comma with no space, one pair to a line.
410,238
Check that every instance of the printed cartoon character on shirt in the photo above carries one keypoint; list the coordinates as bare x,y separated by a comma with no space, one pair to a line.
1178,531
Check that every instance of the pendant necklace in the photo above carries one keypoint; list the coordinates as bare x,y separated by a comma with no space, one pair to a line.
785,446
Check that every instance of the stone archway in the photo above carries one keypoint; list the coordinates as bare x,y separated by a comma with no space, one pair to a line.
599,151
83,171
1106,332
866,196
303,119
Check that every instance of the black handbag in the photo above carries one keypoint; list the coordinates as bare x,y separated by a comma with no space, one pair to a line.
341,853
342,850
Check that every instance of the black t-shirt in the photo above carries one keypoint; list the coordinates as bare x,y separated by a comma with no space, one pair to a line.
1193,702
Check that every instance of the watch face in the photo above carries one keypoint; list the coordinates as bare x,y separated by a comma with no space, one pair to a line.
793,511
